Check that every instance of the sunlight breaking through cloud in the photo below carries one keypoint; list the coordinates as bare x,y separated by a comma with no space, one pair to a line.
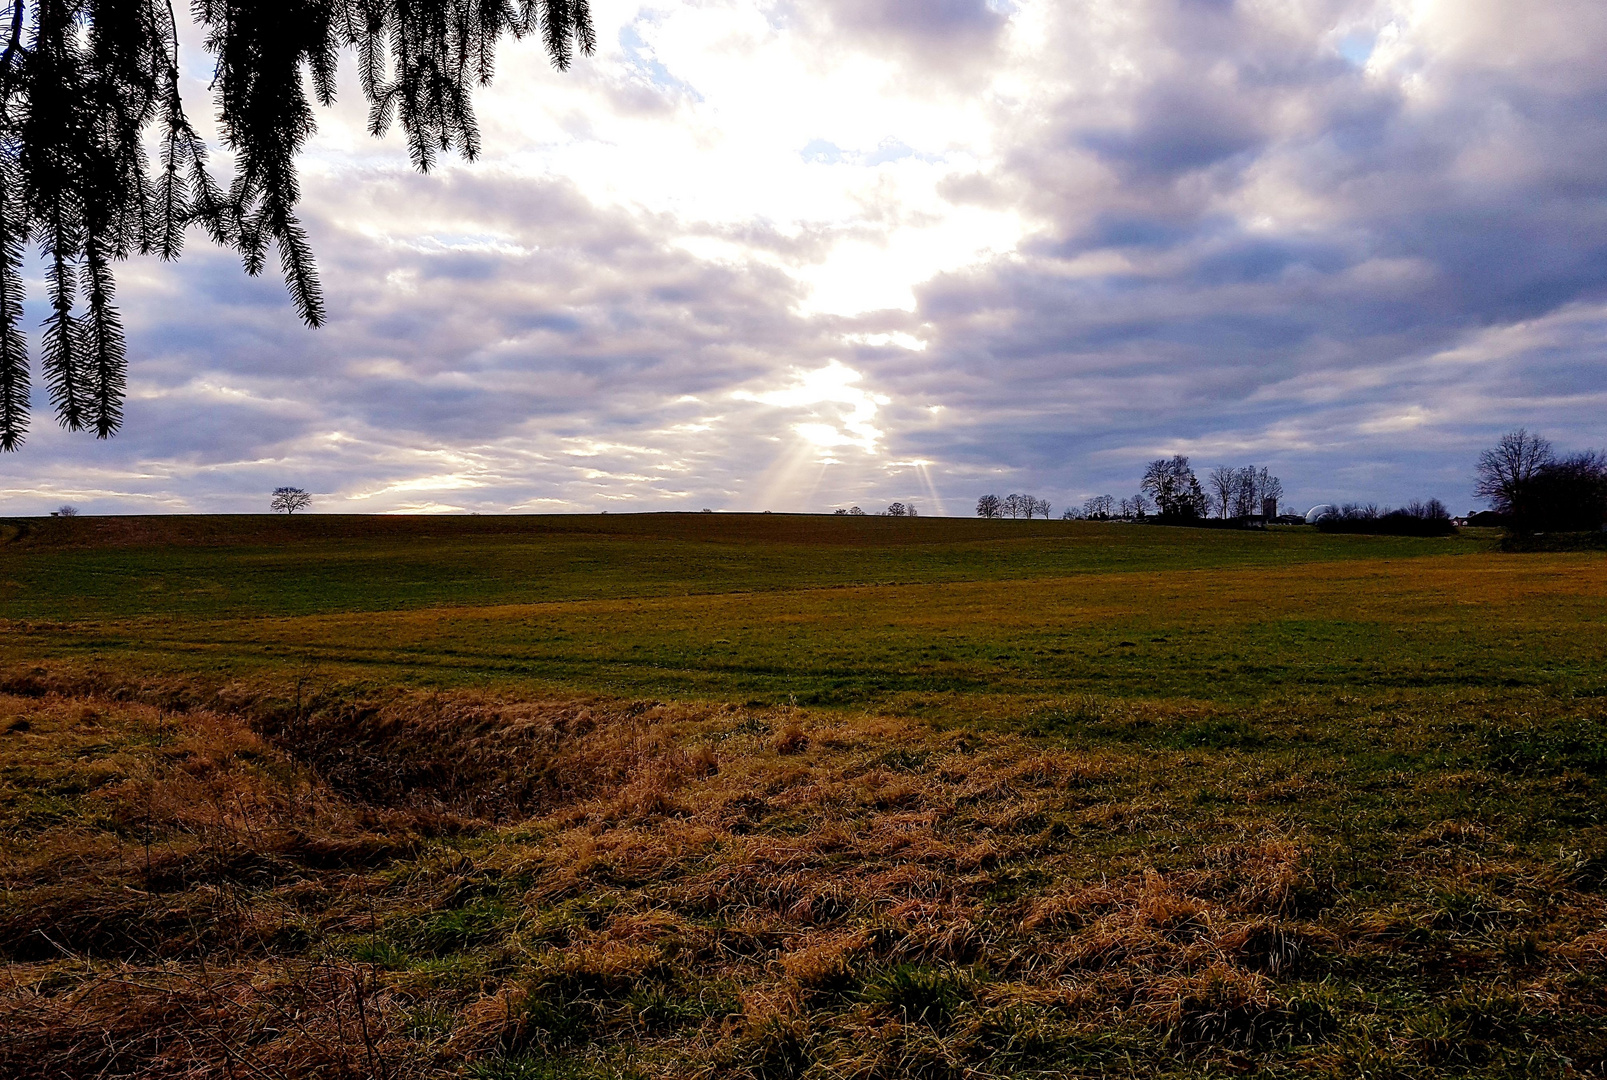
828,386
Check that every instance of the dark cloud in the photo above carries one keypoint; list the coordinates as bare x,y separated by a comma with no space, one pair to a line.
926,27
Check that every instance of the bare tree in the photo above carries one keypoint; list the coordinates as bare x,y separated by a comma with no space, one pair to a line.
1244,488
897,509
1508,470
989,506
287,500
1269,489
1099,508
854,511
1223,484
1011,505
1038,506
66,510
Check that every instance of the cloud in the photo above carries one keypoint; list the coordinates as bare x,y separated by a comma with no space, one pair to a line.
796,256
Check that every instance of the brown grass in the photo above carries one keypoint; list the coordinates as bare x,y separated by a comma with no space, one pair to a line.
240,884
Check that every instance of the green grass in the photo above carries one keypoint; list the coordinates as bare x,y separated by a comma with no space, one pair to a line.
921,614
89,568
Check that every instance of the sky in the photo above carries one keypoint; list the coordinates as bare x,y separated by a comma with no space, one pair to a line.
796,256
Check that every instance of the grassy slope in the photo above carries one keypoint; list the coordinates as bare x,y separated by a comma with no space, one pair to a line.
1281,804
804,609
248,565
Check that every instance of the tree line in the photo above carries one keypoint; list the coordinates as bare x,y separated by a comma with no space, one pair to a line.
1012,506
1169,491
1530,487
1414,519
896,509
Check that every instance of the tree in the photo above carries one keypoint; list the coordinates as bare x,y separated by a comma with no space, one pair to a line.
1174,487
1270,486
287,500
1222,484
66,510
86,85
989,506
1245,503
1507,472
897,509
1023,506
854,511
1099,508
1268,490
1537,491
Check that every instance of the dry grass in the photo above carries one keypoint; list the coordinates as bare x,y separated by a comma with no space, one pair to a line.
237,884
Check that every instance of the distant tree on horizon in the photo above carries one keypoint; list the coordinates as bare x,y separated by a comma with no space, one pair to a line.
1268,487
989,506
1099,508
67,510
287,500
1176,490
854,511
1222,485
1244,493
1240,493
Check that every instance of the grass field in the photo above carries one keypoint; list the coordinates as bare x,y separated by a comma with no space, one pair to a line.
779,796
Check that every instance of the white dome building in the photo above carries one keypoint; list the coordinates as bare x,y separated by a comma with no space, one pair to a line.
1318,511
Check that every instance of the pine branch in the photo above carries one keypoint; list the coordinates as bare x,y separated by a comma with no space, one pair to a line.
13,343
301,273
103,335
13,39
62,346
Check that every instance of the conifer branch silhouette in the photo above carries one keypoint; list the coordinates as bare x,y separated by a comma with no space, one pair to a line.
84,82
